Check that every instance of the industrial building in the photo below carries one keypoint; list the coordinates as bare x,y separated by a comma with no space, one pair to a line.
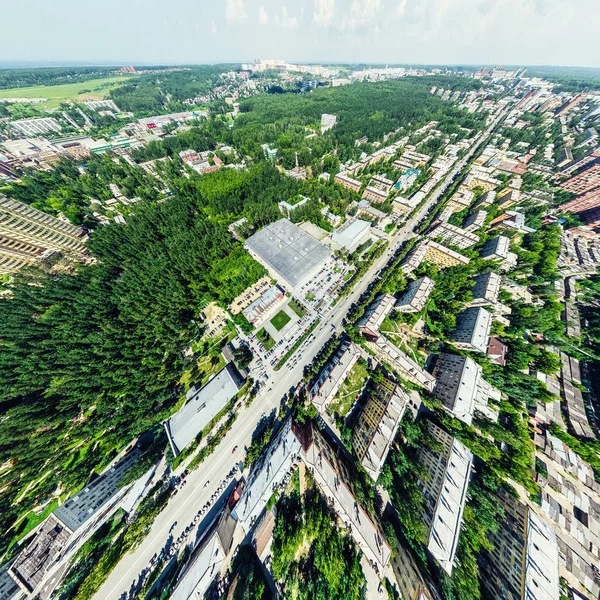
523,563
202,406
445,490
472,331
459,384
377,425
351,234
416,295
35,127
26,234
289,254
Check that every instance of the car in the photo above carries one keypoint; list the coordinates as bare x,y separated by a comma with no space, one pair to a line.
206,483
234,449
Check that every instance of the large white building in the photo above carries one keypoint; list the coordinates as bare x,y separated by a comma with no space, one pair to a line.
374,316
459,384
35,127
472,331
445,490
416,295
327,122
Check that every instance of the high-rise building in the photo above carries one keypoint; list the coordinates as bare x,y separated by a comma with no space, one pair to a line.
27,233
583,182
472,331
445,490
523,564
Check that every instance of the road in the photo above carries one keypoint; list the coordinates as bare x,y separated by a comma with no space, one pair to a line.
184,506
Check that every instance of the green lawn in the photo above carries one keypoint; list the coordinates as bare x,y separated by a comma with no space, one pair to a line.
346,396
94,89
297,308
280,320
265,339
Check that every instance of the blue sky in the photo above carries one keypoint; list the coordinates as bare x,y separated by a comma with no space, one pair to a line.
555,32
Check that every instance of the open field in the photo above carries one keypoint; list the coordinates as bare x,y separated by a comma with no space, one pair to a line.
94,89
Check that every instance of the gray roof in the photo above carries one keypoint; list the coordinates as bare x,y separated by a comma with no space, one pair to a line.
202,405
288,250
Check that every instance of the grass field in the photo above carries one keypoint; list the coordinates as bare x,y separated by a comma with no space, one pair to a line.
94,89
346,396
297,308
265,339
280,320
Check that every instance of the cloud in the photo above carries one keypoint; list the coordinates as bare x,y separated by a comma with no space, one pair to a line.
361,14
285,20
324,11
235,12
213,28
263,16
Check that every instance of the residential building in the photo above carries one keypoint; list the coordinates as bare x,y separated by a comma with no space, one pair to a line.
286,208
587,206
365,209
436,254
35,127
523,562
513,220
461,388
583,182
475,220
373,194
445,490
266,474
416,295
333,375
269,152
509,197
377,425
407,179
472,331
461,199
485,200
496,248
412,583
348,182
351,234
381,183
386,352
481,180
374,316
327,122
331,473
485,289
27,234
496,350
453,235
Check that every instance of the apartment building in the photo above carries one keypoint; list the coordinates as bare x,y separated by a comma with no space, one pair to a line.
416,295
412,582
453,235
333,375
381,183
583,182
485,200
35,127
445,490
436,254
481,180
509,197
373,194
327,122
348,182
523,563
472,331
27,233
496,248
485,289
459,384
461,199
374,316
377,425
475,221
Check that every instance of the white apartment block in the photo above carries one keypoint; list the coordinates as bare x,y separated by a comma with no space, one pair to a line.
333,375
327,122
475,221
453,235
460,386
374,316
496,248
472,331
445,491
416,295
486,289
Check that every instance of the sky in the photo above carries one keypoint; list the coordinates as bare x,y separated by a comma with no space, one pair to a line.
508,32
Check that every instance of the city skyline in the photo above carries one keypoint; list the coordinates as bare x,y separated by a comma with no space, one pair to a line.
453,32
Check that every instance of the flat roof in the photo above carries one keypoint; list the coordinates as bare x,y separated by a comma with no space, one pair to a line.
203,405
288,250
350,233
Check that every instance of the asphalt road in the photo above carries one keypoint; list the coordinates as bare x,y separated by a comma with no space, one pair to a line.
184,506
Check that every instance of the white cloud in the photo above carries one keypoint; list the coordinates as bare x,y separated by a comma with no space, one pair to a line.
361,14
286,20
213,28
263,16
235,12
324,11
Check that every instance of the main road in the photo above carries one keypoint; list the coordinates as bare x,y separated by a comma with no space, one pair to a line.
203,482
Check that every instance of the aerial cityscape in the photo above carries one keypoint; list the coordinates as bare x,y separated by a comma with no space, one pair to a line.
306,328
